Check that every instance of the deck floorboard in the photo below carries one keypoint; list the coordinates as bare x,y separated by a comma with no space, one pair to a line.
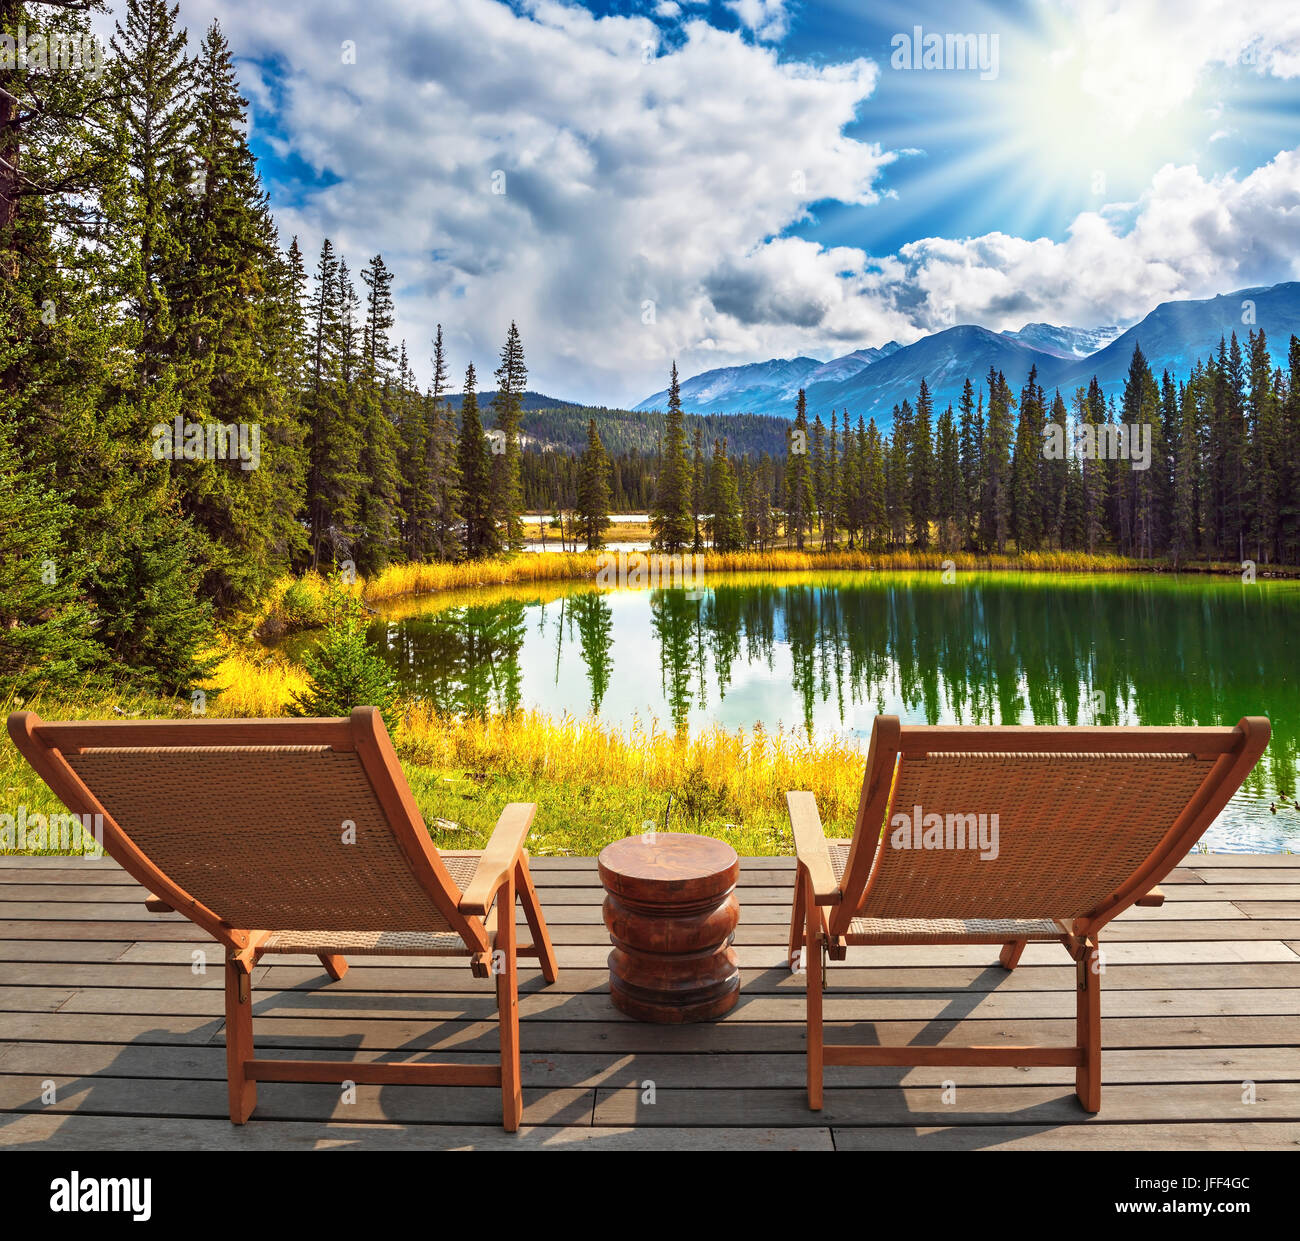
116,1014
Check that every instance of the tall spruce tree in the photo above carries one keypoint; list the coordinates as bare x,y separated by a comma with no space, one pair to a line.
799,498
482,531
726,527
672,522
507,405
593,498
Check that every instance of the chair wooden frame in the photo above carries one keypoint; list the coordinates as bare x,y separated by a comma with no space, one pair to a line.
824,907
477,914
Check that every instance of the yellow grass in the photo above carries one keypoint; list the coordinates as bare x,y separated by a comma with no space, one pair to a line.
416,579
255,683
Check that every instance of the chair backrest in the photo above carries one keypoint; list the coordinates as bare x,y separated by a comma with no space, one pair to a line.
247,825
1013,822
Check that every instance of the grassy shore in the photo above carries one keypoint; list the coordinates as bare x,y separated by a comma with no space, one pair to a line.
592,784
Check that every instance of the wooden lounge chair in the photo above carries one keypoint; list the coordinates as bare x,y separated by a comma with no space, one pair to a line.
300,836
1089,821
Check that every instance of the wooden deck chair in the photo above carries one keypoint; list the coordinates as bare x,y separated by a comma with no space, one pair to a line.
1089,820
300,836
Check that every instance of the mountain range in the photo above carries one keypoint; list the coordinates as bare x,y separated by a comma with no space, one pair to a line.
871,382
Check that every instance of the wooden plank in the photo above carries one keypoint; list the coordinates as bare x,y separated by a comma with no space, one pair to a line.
546,1006
400,1032
362,976
1279,861
616,1068
64,950
1095,1136
114,1133
759,957
973,1105
470,1105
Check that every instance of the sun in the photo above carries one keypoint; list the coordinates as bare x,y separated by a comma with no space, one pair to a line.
1093,108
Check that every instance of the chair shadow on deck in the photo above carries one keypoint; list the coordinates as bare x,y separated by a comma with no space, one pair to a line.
463,1027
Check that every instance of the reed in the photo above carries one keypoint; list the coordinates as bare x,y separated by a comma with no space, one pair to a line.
592,783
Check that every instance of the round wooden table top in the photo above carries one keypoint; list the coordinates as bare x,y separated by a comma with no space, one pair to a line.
675,862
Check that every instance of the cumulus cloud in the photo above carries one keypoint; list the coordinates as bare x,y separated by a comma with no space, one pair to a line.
768,19
631,202
1188,236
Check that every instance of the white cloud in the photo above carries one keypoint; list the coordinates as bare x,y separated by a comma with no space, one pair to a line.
627,175
1190,236
636,174
768,19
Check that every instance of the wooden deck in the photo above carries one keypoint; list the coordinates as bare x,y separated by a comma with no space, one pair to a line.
100,998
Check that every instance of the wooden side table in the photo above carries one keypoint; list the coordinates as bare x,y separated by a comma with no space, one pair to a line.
671,910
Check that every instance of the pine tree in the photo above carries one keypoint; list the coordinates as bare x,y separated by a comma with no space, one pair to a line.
995,492
231,308
699,486
818,463
442,475
1185,536
374,399
874,513
799,498
332,437
671,518
1263,420
834,488
154,78
1090,409
948,482
507,488
1026,468
970,437
482,533
922,467
726,527
898,489
593,490
45,627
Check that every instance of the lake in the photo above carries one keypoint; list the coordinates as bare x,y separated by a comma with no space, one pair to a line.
821,655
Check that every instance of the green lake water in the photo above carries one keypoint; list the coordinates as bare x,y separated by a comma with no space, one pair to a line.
822,654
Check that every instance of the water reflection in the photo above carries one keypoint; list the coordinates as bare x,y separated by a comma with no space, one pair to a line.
824,655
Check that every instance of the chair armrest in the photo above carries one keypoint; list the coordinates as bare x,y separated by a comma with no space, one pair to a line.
498,859
810,847
1152,900
156,905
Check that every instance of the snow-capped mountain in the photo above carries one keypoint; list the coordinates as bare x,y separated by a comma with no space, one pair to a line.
1173,336
1064,342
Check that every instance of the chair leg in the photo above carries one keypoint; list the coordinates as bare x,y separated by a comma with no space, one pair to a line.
512,1098
335,965
1009,957
1087,1077
813,971
239,1043
796,918
536,923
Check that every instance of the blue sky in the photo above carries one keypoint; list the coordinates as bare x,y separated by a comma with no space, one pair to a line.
638,181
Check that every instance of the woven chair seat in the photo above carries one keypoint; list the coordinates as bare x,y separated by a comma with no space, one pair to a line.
937,930
369,943
461,867
947,930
